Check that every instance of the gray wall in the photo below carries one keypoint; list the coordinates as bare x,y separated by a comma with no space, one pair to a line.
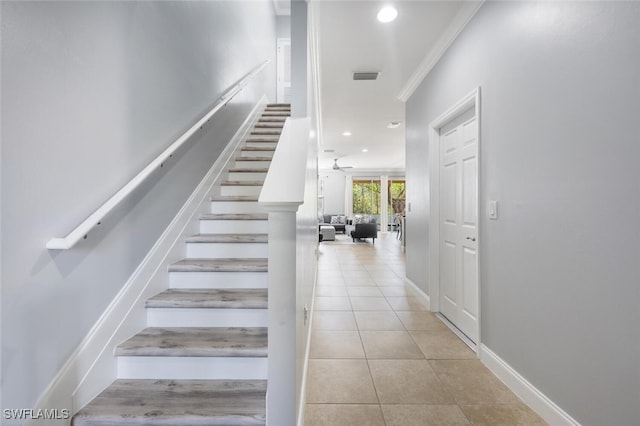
333,187
299,59
283,26
91,93
559,147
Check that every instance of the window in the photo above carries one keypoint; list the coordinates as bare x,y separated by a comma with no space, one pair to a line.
366,197
396,196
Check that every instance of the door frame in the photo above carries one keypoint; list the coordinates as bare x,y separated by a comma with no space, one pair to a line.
472,99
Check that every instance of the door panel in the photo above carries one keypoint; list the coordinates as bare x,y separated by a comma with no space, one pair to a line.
449,305
458,222
450,142
469,279
449,197
469,192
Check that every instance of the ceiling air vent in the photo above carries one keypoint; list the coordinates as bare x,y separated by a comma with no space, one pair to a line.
365,75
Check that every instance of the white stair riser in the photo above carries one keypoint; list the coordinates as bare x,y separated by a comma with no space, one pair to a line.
206,317
234,226
262,144
253,154
236,207
240,190
244,176
191,368
253,164
227,250
218,280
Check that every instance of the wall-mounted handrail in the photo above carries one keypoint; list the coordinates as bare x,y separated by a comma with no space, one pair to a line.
83,229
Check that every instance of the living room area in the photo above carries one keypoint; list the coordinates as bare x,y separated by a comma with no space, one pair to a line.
359,206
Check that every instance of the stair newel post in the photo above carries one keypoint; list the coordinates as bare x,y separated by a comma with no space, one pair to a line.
282,195
281,376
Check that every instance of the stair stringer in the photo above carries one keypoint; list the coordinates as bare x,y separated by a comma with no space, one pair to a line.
92,367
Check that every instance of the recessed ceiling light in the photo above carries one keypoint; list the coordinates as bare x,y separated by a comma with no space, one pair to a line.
329,150
393,125
387,14
365,150
347,133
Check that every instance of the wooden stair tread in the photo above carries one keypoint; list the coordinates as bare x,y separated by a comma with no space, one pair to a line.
258,148
234,216
269,125
240,298
272,119
253,158
219,265
228,238
263,131
270,139
177,403
197,342
276,114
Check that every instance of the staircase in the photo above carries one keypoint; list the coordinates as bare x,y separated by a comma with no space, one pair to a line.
202,360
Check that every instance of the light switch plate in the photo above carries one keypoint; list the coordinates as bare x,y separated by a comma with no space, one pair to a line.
493,210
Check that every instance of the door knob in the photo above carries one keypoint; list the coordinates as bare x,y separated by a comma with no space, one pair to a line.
472,239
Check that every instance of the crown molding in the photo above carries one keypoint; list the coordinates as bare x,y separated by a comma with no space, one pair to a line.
462,18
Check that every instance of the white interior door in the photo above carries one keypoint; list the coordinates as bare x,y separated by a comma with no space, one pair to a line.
283,57
459,223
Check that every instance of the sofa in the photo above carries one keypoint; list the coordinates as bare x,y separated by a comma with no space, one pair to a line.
365,230
340,223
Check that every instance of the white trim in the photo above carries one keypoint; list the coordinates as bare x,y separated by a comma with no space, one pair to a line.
288,168
455,330
393,172
452,31
92,366
348,195
384,203
532,396
316,74
472,99
94,219
419,293
305,366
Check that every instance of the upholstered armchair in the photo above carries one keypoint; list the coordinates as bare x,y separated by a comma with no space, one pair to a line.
365,230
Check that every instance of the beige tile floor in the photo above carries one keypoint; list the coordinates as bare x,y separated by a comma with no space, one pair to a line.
378,357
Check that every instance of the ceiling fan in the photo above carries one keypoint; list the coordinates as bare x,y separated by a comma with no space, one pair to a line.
337,167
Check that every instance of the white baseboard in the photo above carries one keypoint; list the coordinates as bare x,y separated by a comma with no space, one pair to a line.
303,387
92,366
419,293
535,399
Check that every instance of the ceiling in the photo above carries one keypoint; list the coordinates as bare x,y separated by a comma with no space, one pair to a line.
350,39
